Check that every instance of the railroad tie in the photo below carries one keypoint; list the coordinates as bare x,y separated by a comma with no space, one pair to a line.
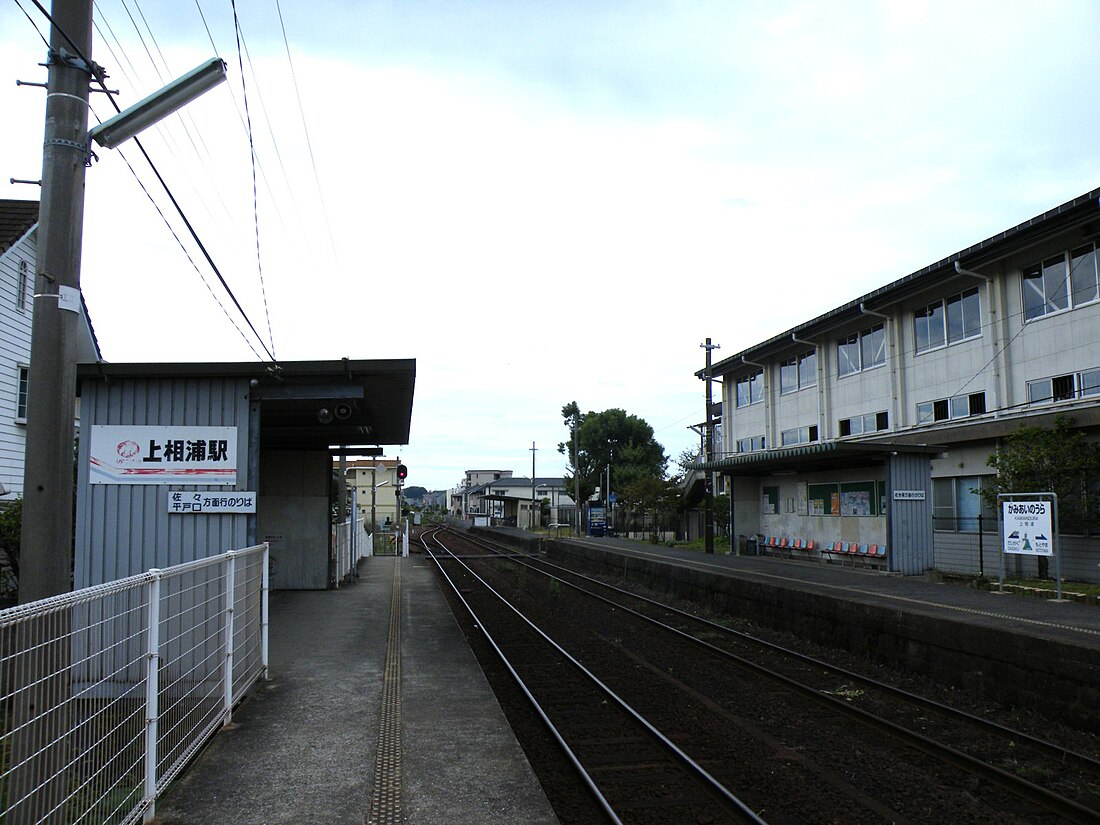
385,803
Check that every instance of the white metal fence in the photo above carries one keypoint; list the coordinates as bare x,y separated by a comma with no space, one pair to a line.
348,539
107,692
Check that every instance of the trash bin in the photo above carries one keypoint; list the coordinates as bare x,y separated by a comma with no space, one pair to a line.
751,547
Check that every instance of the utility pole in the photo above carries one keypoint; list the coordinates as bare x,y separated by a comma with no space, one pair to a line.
532,485
708,456
47,532
576,472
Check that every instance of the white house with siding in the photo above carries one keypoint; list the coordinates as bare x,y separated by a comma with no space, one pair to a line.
18,253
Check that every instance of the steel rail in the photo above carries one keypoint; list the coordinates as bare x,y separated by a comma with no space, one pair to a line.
1023,788
740,808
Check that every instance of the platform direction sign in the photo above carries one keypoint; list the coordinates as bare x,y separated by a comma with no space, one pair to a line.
1028,527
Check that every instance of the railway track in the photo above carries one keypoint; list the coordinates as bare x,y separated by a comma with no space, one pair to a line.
636,773
880,743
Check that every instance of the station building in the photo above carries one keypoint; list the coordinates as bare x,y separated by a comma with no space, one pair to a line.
183,461
872,423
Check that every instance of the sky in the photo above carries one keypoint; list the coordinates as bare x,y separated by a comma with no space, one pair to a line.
552,202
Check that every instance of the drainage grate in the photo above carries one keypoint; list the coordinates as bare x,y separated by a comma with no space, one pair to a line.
385,803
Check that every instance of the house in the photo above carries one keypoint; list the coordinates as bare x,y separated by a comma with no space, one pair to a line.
466,497
18,254
872,423
508,501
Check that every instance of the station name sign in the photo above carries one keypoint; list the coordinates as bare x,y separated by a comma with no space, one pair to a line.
124,454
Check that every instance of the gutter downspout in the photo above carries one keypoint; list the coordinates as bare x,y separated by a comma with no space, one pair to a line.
1000,354
822,390
897,416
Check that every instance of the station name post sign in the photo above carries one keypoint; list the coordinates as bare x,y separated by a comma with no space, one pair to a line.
123,454
1027,528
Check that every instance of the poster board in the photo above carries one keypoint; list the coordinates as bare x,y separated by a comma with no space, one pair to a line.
824,499
858,498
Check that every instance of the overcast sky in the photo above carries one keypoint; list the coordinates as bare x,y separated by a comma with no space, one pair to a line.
544,202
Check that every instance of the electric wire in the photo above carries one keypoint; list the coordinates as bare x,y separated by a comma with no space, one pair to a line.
255,193
30,19
305,130
98,76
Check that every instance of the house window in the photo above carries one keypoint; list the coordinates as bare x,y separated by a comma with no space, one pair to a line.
957,504
22,285
948,321
958,406
750,389
869,423
1061,282
799,435
1064,387
861,351
23,379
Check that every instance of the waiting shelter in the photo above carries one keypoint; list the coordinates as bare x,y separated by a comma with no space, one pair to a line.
178,462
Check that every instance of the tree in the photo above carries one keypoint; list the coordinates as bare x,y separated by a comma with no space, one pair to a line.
1059,460
652,496
610,438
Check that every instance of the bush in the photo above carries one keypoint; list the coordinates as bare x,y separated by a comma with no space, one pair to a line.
11,524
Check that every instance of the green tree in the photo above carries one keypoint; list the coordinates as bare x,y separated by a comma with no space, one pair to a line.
652,496
11,526
610,438
1059,460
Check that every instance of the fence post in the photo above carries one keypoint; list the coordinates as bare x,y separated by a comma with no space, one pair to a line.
981,547
152,696
265,590
230,590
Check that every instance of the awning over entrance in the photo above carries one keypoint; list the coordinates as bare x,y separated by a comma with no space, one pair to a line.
808,457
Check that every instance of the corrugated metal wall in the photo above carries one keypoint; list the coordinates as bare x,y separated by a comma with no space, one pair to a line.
122,530
909,522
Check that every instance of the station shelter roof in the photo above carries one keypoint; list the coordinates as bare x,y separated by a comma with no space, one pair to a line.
306,405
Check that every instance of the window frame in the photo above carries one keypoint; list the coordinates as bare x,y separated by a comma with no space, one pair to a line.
1074,386
754,384
944,409
803,435
22,387
945,504
858,344
878,421
1070,284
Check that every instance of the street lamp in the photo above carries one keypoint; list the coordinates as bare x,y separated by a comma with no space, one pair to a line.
177,94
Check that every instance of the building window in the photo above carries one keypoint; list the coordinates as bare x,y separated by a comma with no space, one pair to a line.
750,389
798,373
1061,282
799,435
948,321
23,379
957,504
1064,387
861,351
869,423
958,406
750,445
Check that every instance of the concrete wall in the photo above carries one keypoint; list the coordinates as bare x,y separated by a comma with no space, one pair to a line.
293,514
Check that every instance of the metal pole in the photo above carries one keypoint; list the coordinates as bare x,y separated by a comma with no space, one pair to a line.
46,566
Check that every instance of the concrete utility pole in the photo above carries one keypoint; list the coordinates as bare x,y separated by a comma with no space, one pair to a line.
532,485
576,472
45,565
708,455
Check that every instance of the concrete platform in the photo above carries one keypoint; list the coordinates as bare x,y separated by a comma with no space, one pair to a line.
302,747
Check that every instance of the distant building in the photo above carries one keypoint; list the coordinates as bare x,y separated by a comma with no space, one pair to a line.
376,484
466,497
